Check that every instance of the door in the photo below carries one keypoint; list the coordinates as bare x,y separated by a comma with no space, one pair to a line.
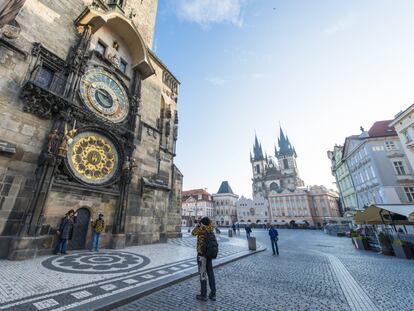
80,229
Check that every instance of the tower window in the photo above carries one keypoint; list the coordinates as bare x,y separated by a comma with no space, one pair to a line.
285,163
123,65
45,77
100,48
258,169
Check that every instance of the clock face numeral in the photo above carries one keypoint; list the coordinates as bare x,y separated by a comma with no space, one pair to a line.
104,95
93,158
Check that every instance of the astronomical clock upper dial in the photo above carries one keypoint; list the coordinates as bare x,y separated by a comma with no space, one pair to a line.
104,95
93,158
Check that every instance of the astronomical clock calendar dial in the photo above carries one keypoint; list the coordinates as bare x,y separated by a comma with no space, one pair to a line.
104,95
93,158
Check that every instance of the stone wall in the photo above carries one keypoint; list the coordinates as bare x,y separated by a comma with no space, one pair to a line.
153,211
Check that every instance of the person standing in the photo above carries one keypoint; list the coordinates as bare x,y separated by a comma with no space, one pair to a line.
238,228
65,232
233,226
248,231
207,249
273,239
98,226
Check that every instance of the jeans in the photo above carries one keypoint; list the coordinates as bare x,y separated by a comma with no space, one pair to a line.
274,244
61,246
248,234
95,240
205,269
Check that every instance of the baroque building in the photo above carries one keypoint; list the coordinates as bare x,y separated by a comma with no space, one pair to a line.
225,212
379,169
88,121
196,203
277,174
253,211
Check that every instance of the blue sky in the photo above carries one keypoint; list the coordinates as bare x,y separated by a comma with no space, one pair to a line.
321,68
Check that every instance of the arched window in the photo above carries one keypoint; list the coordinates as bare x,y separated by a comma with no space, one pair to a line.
258,169
285,163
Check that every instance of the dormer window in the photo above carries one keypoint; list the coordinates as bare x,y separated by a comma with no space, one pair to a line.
100,48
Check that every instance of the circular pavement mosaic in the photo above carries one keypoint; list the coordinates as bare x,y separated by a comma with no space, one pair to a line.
96,263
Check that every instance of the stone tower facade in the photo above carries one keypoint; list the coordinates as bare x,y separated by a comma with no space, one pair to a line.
274,174
88,121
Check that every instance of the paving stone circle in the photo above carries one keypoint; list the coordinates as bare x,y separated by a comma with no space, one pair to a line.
96,263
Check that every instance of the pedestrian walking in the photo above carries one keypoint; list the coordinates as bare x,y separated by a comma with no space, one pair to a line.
207,250
98,226
248,231
273,239
238,228
65,232
233,226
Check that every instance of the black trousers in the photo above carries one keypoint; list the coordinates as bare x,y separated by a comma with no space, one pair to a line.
274,245
205,269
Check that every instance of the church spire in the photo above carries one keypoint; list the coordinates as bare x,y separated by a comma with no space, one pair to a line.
285,147
257,150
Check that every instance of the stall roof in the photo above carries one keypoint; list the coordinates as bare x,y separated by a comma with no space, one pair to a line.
372,215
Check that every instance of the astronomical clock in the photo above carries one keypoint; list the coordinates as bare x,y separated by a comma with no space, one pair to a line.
94,156
104,95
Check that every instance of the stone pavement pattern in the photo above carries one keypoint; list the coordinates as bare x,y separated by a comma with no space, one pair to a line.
68,282
304,277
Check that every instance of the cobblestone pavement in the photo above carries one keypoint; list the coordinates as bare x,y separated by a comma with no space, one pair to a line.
71,281
313,272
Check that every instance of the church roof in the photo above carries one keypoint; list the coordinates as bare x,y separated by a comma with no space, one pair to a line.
257,150
225,188
285,147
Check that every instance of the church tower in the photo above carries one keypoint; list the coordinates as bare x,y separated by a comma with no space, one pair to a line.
259,166
286,157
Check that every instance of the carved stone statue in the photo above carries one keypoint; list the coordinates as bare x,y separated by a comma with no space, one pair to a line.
53,141
9,11
67,140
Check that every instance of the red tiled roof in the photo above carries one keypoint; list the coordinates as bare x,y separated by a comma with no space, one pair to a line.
195,193
381,129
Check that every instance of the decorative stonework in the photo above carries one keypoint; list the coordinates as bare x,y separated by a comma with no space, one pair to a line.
93,158
97,263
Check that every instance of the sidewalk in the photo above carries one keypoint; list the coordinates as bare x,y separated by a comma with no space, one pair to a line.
89,281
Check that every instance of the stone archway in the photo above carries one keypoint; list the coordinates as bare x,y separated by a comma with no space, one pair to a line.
80,229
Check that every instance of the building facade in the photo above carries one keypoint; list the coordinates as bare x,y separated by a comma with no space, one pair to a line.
404,126
274,174
225,212
323,205
344,182
305,206
380,170
88,121
195,204
253,211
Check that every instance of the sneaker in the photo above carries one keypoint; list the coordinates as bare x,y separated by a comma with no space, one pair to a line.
212,297
201,297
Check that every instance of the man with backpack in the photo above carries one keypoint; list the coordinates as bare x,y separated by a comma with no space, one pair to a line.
207,250
98,226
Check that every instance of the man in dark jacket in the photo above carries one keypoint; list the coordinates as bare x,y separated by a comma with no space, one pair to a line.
273,239
65,232
248,231
205,265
